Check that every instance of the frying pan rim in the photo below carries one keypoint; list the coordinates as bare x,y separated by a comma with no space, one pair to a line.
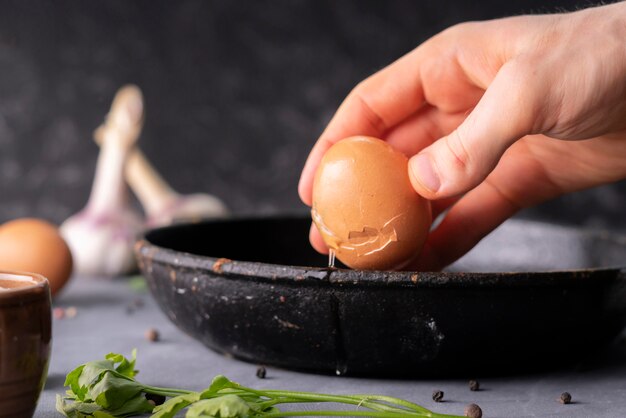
299,275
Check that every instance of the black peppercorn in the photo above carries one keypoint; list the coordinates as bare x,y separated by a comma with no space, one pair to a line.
151,335
565,398
437,396
473,411
474,385
261,372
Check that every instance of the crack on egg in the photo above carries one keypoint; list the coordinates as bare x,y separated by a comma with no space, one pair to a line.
332,240
363,241
367,241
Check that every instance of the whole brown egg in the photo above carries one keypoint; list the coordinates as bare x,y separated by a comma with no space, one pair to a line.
365,207
35,246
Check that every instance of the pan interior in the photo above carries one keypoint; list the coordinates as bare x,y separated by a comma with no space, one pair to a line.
282,240
523,245
517,245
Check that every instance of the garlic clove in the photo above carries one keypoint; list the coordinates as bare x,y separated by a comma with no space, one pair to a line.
189,208
162,204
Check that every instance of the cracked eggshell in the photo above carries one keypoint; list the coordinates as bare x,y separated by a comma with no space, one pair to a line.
365,207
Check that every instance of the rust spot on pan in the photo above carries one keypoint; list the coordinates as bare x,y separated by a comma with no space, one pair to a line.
217,266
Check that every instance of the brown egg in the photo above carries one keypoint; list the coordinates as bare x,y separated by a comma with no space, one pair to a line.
35,246
365,208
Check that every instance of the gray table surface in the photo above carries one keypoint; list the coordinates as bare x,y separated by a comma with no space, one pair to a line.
103,324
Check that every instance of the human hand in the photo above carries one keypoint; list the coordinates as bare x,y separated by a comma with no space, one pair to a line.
496,116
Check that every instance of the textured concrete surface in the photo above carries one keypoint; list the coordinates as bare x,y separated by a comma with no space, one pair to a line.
236,92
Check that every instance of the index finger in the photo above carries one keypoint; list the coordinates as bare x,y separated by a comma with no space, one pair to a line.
373,107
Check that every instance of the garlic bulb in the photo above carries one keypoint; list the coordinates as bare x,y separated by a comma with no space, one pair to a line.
102,235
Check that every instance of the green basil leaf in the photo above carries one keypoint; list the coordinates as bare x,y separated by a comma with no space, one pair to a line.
113,391
126,367
75,409
227,406
71,380
101,414
219,382
171,407
134,406
92,373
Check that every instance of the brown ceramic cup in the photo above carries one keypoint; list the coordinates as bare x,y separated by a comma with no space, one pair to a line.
25,337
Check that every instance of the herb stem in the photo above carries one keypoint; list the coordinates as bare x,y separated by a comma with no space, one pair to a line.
169,392
282,396
363,400
370,405
341,414
392,400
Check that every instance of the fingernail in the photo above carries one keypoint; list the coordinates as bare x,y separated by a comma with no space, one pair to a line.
424,172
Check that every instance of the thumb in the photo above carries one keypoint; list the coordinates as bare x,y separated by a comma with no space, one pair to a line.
460,161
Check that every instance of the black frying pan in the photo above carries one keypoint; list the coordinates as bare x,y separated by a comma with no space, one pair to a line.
531,295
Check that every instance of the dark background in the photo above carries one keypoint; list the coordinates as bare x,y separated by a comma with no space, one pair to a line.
236,92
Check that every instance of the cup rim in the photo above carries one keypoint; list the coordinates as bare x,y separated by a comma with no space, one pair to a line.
37,281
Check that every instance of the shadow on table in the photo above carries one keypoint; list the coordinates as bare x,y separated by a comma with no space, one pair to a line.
55,381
